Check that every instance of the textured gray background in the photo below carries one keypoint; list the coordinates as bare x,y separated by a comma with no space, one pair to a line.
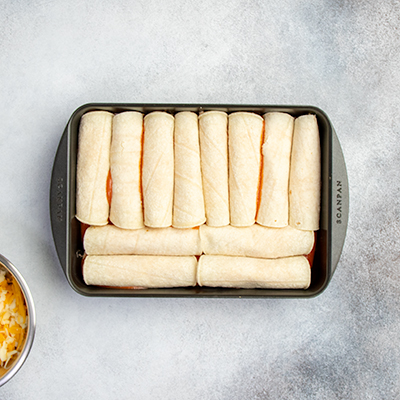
342,56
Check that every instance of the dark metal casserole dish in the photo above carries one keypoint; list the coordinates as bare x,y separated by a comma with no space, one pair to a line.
333,216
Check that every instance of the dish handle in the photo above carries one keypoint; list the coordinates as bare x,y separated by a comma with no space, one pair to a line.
340,201
59,200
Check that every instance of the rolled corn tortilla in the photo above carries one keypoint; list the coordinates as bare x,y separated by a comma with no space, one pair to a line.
158,169
243,272
245,136
213,127
93,165
188,209
110,240
140,271
305,174
274,199
126,210
256,241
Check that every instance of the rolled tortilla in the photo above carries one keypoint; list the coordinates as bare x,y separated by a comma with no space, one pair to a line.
305,174
158,169
213,126
245,136
188,187
243,272
256,241
126,210
274,199
140,271
148,241
93,165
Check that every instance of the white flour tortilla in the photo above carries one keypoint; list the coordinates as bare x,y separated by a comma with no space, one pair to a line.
243,272
109,239
245,136
158,169
305,174
93,165
256,241
140,271
189,208
274,200
126,210
213,126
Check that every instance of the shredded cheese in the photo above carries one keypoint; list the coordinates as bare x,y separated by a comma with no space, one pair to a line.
13,319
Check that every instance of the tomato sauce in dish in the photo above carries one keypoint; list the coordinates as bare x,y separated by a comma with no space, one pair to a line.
311,254
109,187
261,174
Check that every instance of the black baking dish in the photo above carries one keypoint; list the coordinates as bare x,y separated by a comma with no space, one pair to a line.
333,219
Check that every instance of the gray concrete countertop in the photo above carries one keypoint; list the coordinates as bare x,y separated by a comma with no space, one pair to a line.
341,56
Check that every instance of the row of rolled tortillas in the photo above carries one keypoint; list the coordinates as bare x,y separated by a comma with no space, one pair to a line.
251,257
187,170
135,271
254,241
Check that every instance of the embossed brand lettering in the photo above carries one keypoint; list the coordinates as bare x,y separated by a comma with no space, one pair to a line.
60,199
339,202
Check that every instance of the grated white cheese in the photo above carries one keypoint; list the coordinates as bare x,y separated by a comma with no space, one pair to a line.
13,319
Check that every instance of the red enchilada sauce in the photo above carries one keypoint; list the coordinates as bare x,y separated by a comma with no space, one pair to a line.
261,173
109,187
311,254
